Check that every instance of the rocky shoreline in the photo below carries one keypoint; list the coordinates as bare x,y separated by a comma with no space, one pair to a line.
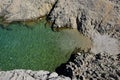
97,19
81,66
89,66
30,75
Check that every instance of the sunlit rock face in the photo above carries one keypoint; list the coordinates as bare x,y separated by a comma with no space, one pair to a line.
88,66
21,10
97,19
81,66
30,75
94,18
92,10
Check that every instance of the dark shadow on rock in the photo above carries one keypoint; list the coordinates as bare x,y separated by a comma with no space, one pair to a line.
48,16
63,70
79,25
52,26
118,56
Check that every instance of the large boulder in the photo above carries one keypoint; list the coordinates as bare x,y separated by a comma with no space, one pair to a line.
22,10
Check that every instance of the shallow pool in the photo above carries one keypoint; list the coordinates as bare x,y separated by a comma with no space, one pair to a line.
37,47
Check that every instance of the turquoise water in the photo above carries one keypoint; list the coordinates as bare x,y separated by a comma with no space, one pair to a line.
38,47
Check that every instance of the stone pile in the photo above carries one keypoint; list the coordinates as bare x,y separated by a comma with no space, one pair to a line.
88,66
30,75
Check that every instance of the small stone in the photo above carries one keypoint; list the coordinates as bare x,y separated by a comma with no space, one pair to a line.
79,53
15,76
29,78
41,75
54,74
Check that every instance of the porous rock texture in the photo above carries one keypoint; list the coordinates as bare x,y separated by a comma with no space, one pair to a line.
97,19
30,75
81,66
88,66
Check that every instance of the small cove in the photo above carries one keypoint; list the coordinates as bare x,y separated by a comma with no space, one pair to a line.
37,48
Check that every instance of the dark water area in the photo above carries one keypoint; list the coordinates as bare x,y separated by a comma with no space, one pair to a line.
37,47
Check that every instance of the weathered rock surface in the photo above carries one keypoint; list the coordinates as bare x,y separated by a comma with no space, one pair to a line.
81,66
30,75
101,15
22,10
98,19
88,66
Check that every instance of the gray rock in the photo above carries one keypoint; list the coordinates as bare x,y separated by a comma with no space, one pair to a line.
94,18
53,75
104,67
60,78
41,75
26,75
97,19
22,10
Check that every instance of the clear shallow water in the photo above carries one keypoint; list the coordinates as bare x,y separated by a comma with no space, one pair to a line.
37,48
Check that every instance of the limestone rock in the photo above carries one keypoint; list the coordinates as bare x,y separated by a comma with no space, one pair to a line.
93,18
53,75
22,10
30,75
89,66
98,13
97,19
